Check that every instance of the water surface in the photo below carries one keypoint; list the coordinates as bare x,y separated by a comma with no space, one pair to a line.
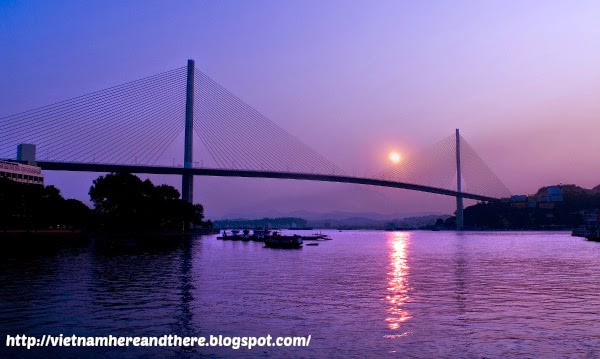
364,294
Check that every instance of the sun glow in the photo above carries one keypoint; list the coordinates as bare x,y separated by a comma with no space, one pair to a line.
395,157
398,282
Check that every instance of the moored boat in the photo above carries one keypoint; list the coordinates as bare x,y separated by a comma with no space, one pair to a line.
581,231
311,238
235,235
276,240
259,235
316,237
246,235
594,235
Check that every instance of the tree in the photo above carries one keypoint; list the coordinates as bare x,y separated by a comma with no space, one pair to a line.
123,202
32,206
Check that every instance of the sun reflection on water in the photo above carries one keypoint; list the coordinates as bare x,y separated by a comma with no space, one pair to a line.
398,282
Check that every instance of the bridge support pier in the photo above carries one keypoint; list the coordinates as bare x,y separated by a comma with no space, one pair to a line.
459,199
187,180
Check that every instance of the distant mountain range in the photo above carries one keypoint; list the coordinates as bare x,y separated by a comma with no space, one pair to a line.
346,220
334,215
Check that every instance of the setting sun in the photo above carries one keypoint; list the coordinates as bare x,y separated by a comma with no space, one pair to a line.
395,157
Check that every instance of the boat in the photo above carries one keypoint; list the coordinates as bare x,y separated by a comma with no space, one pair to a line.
581,231
235,235
312,244
259,235
594,235
316,237
246,235
276,240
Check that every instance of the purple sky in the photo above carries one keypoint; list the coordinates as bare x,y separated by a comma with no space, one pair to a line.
352,79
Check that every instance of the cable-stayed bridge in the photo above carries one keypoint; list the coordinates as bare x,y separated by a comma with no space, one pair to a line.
138,126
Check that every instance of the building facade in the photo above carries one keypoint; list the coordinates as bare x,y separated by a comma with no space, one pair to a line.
21,173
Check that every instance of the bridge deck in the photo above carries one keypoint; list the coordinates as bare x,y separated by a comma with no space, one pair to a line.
96,167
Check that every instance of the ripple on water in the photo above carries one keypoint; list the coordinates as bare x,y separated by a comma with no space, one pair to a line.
374,294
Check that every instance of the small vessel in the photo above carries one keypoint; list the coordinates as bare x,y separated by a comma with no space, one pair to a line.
581,231
259,235
246,235
312,244
316,237
326,237
593,235
276,240
235,235
224,235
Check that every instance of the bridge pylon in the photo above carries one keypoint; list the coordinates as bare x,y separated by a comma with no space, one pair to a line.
187,180
459,198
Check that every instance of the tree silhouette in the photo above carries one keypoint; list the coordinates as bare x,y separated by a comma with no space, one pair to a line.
32,206
123,202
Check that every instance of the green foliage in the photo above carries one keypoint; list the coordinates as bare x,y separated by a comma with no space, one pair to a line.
123,202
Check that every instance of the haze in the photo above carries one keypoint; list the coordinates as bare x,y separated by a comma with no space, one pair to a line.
355,80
